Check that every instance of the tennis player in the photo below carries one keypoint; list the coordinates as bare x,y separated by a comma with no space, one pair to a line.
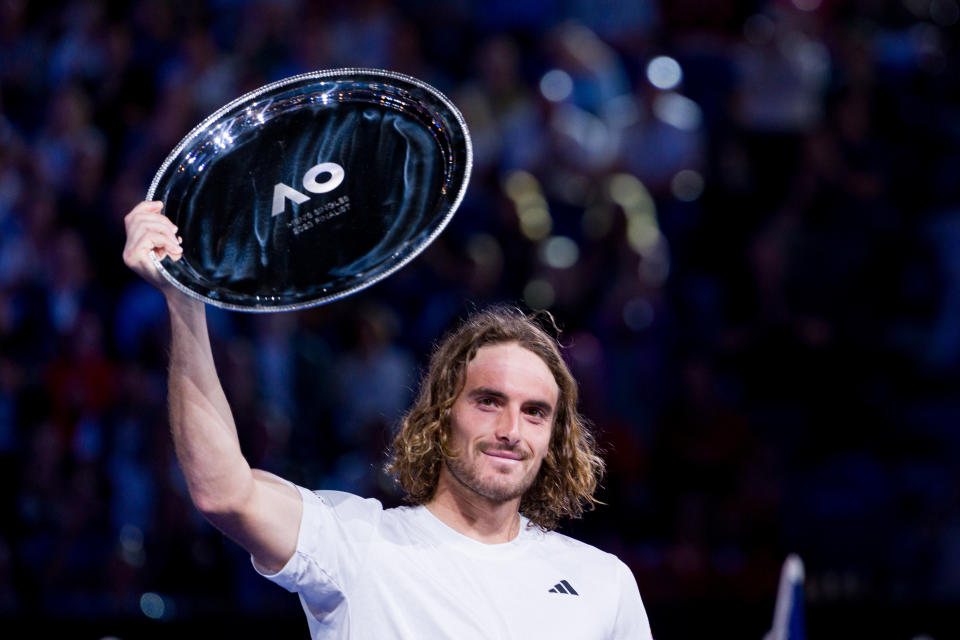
492,455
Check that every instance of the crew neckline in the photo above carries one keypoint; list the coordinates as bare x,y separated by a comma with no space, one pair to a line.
447,534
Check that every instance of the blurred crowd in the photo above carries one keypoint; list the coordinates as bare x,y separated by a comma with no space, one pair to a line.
744,216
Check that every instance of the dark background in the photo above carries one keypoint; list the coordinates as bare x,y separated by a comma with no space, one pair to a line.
757,271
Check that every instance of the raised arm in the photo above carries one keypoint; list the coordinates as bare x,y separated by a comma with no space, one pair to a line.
256,509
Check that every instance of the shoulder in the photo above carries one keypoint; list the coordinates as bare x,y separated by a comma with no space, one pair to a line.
340,504
343,499
565,542
558,543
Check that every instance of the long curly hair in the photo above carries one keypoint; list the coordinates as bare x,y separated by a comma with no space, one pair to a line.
572,468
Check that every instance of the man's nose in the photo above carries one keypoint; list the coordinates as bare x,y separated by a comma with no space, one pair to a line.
508,427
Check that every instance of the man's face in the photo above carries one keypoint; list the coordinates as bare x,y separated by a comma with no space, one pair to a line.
501,422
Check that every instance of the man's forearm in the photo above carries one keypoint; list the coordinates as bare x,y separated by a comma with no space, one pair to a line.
204,432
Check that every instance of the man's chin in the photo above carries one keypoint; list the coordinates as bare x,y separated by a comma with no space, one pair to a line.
504,485
494,485
500,493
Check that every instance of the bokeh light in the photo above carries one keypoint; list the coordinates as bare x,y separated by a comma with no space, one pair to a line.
152,605
642,235
677,110
664,72
559,252
484,250
530,204
655,265
539,294
687,185
535,222
628,192
556,85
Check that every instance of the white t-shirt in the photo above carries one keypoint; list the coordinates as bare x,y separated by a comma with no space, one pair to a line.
368,573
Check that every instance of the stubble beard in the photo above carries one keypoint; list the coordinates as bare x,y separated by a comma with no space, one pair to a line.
469,476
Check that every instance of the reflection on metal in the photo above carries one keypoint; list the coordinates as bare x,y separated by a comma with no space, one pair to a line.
369,166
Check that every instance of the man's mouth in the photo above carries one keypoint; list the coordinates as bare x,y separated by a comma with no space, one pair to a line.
505,454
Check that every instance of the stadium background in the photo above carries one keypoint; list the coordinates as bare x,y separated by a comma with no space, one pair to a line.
744,215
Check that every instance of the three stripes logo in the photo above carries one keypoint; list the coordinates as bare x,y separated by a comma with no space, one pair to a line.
563,587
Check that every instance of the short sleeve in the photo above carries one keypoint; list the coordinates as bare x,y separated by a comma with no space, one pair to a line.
631,619
335,533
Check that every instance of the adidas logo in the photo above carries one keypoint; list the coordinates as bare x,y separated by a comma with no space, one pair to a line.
563,587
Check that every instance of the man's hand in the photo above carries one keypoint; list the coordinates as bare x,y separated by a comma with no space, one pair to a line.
149,231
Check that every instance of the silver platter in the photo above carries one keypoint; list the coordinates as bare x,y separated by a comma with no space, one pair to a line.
312,188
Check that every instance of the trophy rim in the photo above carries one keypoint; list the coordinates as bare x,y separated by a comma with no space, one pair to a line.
345,73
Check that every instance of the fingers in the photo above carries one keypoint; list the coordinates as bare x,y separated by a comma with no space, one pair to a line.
148,214
137,256
153,207
149,231
155,229
159,243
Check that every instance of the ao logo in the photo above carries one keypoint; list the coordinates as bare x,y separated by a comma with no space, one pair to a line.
282,192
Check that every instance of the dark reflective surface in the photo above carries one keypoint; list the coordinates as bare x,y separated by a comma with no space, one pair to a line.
312,188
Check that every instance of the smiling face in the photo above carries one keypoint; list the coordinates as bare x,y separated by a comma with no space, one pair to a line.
501,423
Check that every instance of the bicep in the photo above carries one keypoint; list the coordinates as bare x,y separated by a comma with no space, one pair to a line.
268,523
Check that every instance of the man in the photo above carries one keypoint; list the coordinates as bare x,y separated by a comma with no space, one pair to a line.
492,454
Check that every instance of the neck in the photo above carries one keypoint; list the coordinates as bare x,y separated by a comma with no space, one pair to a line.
473,515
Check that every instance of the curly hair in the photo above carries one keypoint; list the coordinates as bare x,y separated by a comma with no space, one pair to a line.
572,468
